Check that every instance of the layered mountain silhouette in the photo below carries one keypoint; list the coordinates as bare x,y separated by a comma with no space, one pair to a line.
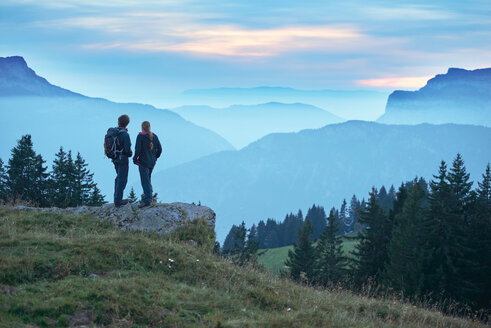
286,171
362,104
243,124
459,96
56,117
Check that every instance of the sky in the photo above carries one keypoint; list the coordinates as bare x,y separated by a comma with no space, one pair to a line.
143,50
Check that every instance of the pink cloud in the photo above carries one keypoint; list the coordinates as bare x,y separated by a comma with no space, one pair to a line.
396,82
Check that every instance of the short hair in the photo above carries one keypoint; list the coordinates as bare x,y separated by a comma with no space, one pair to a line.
123,121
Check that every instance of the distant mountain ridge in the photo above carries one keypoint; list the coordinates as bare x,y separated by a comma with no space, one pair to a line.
459,96
283,172
243,124
17,79
349,104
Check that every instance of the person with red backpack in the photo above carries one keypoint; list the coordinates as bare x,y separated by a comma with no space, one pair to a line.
117,146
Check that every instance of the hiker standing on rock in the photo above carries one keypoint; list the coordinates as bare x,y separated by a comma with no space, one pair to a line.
117,146
147,151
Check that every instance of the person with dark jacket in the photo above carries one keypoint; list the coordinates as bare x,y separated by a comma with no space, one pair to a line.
147,151
121,163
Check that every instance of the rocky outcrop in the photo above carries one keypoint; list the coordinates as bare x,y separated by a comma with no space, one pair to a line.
159,218
459,96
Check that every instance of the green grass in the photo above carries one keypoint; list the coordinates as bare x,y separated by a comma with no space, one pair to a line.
273,259
59,270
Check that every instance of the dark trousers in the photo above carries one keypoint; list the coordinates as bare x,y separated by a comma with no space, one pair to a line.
120,181
146,180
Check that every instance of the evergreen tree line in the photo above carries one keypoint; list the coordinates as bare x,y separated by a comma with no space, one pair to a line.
25,179
272,234
432,243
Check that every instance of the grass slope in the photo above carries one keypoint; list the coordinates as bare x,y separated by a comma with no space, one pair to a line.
273,259
58,270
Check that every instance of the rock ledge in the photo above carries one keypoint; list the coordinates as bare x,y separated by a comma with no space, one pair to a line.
160,218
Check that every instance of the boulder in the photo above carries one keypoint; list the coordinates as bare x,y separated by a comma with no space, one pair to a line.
159,218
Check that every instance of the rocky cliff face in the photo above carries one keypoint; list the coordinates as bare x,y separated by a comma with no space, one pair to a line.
159,218
460,96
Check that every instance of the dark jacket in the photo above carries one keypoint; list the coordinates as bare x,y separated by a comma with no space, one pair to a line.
145,156
125,146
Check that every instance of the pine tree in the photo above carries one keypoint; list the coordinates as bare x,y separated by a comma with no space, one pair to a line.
458,178
96,198
132,196
479,243
239,239
27,173
4,194
317,217
484,190
229,242
330,265
354,208
443,238
83,183
464,260
249,253
404,271
344,218
61,179
370,254
301,259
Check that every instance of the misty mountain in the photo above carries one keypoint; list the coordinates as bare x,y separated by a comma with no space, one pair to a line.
17,79
284,172
460,96
350,104
242,124
56,117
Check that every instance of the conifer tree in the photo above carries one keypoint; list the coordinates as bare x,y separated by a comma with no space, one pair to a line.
406,250
344,218
132,196
479,244
302,258
317,217
83,183
458,178
239,239
370,254
441,267
27,173
330,265
96,198
354,208
466,264
62,179
249,253
3,183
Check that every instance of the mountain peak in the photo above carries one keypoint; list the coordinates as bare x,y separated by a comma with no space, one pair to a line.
459,96
18,79
13,60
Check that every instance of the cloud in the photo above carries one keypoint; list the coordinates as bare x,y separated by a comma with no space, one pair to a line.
409,12
186,33
236,41
396,82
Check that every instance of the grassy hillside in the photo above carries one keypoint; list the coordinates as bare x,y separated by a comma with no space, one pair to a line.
73,270
273,259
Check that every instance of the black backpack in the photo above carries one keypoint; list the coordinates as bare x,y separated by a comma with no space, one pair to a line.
112,146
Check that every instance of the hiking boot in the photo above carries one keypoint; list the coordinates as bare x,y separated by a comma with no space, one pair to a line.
123,202
142,205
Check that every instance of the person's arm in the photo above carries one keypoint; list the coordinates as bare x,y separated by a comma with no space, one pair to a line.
158,147
138,149
127,145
